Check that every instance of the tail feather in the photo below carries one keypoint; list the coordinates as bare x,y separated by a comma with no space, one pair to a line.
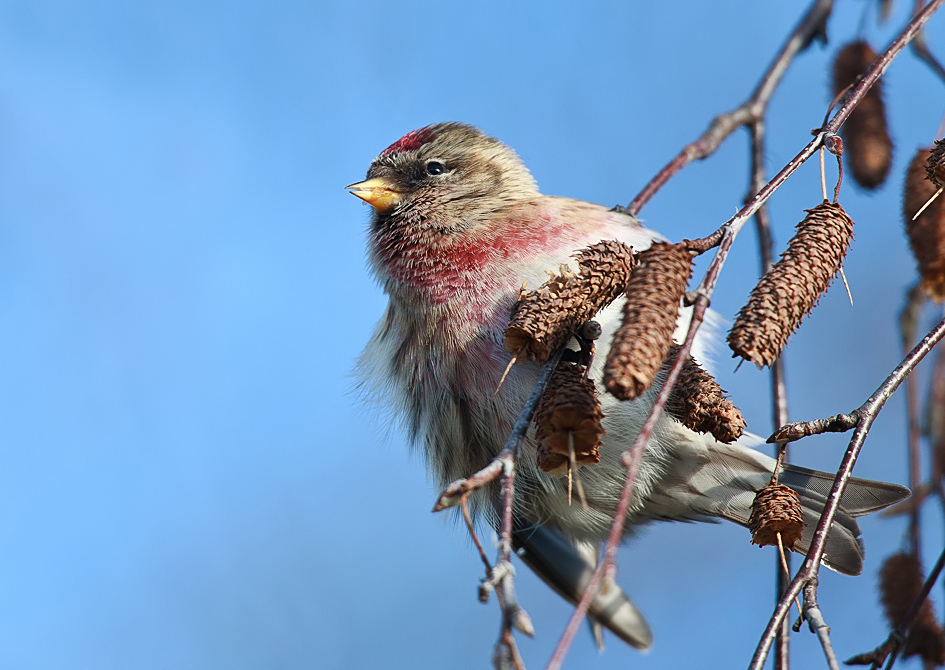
567,568
718,480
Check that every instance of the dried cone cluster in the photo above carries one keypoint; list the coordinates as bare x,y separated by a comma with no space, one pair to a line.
700,404
867,144
900,582
649,317
568,417
776,509
544,320
790,289
927,232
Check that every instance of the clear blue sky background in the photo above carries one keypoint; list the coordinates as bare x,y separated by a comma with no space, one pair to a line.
186,480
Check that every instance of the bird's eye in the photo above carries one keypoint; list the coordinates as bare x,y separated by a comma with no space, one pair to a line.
435,168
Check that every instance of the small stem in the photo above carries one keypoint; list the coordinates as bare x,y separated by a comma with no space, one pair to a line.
816,623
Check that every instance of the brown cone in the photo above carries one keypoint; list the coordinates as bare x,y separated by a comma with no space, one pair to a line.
776,509
900,583
699,403
544,320
927,232
790,290
866,140
649,318
568,414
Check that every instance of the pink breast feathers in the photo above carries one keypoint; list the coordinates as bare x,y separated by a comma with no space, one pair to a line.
411,141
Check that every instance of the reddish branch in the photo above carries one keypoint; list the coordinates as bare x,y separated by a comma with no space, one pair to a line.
908,321
868,411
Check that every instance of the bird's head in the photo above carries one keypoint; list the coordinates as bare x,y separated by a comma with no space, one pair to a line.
447,177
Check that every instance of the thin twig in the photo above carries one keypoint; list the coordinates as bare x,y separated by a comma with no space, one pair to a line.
921,49
790,432
501,576
811,25
730,230
816,623
779,410
464,503
452,494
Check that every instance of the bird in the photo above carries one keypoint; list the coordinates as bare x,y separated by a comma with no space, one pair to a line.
457,227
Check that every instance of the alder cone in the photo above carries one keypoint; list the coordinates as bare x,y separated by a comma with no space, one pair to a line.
790,290
776,509
867,144
543,320
568,415
643,340
699,403
900,582
927,232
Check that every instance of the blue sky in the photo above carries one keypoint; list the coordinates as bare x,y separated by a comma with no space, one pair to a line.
186,479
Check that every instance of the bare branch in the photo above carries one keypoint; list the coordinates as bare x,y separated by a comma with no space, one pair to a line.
631,460
792,432
815,620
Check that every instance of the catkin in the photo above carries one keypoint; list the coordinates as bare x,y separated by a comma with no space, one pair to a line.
867,144
699,403
649,318
790,290
776,509
568,416
543,320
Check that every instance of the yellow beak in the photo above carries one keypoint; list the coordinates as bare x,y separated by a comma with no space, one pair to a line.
378,193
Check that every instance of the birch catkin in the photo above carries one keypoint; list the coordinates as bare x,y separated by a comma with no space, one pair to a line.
699,403
568,417
543,320
649,318
790,290
776,509
900,582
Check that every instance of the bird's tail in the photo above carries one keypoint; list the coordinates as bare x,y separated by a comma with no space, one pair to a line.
722,482
567,567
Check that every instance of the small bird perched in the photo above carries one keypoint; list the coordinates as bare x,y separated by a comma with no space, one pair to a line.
458,225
